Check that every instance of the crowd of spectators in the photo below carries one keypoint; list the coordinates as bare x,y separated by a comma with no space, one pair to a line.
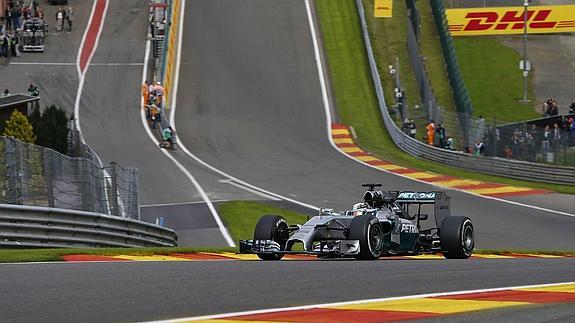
533,142
153,98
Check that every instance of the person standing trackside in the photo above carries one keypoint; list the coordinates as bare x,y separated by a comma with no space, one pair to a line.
167,137
145,92
70,18
60,18
430,132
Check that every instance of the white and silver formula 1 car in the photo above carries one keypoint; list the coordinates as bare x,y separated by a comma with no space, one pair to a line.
385,223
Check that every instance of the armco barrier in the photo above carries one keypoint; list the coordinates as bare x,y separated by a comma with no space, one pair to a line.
42,227
494,166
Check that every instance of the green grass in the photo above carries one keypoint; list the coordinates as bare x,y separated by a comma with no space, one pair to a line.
241,217
355,97
491,72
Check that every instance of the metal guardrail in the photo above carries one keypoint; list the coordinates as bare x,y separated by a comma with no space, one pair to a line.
43,227
492,165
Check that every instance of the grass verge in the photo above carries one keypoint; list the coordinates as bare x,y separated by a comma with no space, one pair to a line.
494,81
241,217
355,98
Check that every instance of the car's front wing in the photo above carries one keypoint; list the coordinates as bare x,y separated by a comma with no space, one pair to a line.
339,248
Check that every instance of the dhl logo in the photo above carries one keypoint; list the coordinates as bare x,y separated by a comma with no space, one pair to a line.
496,21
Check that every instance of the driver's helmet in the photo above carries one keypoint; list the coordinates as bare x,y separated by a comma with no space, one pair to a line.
358,209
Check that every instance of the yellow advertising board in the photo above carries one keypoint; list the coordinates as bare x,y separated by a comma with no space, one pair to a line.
382,8
510,20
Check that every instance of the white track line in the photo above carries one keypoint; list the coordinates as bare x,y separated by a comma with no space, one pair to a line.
364,301
197,185
81,79
328,125
329,122
194,157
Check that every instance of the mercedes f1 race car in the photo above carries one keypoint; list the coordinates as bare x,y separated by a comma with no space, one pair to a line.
385,223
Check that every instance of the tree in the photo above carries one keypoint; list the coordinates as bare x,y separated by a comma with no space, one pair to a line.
53,129
51,126
20,128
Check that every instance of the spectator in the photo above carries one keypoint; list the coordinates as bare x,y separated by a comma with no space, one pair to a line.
430,132
145,91
6,92
507,152
167,137
478,148
14,45
70,17
412,129
26,13
441,135
40,13
8,18
408,128
556,137
449,144
159,93
545,140
155,115
60,17
5,45
572,107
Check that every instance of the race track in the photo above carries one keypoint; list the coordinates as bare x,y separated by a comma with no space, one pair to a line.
137,291
250,104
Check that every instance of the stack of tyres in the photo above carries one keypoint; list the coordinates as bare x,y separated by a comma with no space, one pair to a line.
33,34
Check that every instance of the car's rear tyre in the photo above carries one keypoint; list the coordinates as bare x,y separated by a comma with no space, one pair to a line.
368,231
272,227
456,237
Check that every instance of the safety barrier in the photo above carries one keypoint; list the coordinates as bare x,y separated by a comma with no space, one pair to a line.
492,165
43,227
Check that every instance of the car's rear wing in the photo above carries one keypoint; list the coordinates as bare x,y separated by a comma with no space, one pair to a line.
442,202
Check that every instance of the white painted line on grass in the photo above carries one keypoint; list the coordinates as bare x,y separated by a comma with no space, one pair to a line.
364,301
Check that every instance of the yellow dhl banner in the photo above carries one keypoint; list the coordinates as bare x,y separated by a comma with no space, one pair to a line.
510,20
382,8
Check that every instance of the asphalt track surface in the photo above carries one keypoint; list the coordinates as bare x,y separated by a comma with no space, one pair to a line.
250,104
111,124
135,291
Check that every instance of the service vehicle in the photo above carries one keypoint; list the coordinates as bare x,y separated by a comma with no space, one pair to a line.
384,224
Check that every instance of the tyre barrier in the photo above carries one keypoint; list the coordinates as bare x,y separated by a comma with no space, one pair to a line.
43,227
491,165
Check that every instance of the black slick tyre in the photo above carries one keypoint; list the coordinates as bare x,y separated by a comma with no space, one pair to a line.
368,230
272,227
457,237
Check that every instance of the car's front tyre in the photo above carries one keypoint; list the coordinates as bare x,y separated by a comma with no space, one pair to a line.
272,227
368,231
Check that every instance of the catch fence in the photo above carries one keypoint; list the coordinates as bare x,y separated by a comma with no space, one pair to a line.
38,176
